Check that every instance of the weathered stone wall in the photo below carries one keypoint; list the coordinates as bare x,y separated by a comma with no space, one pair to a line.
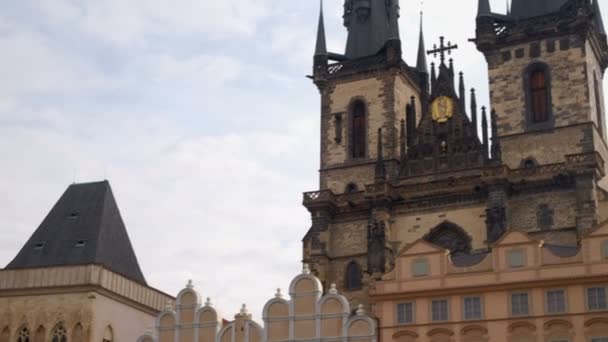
408,228
523,211
386,94
569,83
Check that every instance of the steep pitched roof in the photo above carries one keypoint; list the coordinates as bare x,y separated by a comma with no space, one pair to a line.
533,8
84,227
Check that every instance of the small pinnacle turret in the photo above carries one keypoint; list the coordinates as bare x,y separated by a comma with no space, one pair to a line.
421,64
321,46
599,23
483,9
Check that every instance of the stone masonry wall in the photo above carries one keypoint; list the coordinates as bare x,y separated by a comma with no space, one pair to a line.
569,82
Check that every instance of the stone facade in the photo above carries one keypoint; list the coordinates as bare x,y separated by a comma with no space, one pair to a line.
309,314
81,301
545,179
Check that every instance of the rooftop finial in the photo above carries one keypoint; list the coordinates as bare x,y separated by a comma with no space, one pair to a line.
189,285
278,294
442,49
483,8
305,269
321,46
244,310
360,310
421,63
333,289
208,302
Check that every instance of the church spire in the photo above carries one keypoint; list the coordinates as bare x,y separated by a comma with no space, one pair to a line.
321,47
421,64
483,8
599,23
370,24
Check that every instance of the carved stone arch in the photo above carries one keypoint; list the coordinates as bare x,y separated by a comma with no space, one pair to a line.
40,334
23,334
78,333
146,338
557,322
108,334
528,163
59,333
450,236
443,331
5,334
405,336
353,276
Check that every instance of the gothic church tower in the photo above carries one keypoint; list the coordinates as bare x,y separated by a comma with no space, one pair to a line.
405,157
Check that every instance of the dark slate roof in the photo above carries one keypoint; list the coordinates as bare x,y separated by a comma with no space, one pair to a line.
533,8
563,251
468,260
84,227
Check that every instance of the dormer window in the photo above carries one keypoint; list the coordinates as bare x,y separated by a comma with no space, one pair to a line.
80,243
73,215
39,246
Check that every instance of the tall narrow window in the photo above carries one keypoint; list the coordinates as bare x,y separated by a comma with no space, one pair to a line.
439,310
472,308
538,94
405,313
359,130
598,106
24,335
556,301
596,298
353,276
519,304
59,334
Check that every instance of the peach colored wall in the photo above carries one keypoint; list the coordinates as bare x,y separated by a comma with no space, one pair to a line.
493,280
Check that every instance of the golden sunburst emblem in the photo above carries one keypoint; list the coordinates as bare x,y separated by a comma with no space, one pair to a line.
442,109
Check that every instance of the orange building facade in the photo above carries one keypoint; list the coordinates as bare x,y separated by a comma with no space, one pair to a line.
524,290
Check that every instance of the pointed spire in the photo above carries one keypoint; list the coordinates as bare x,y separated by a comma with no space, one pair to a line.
433,76
411,122
421,64
598,21
484,129
402,137
321,47
380,173
474,111
461,93
483,8
508,8
496,148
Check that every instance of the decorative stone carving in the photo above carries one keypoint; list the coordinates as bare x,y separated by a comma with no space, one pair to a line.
496,223
376,246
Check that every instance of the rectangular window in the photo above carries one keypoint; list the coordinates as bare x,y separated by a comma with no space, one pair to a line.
596,298
519,304
439,310
556,301
472,308
405,313
516,258
421,268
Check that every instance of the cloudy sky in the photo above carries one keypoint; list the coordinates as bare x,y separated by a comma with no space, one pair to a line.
199,114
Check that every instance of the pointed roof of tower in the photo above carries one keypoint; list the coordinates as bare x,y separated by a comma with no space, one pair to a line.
84,227
321,46
421,64
370,24
483,8
599,22
534,8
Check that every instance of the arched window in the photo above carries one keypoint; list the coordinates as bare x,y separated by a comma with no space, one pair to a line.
78,333
351,188
358,130
59,334
108,335
5,335
538,94
24,335
598,106
40,335
537,83
451,237
353,276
